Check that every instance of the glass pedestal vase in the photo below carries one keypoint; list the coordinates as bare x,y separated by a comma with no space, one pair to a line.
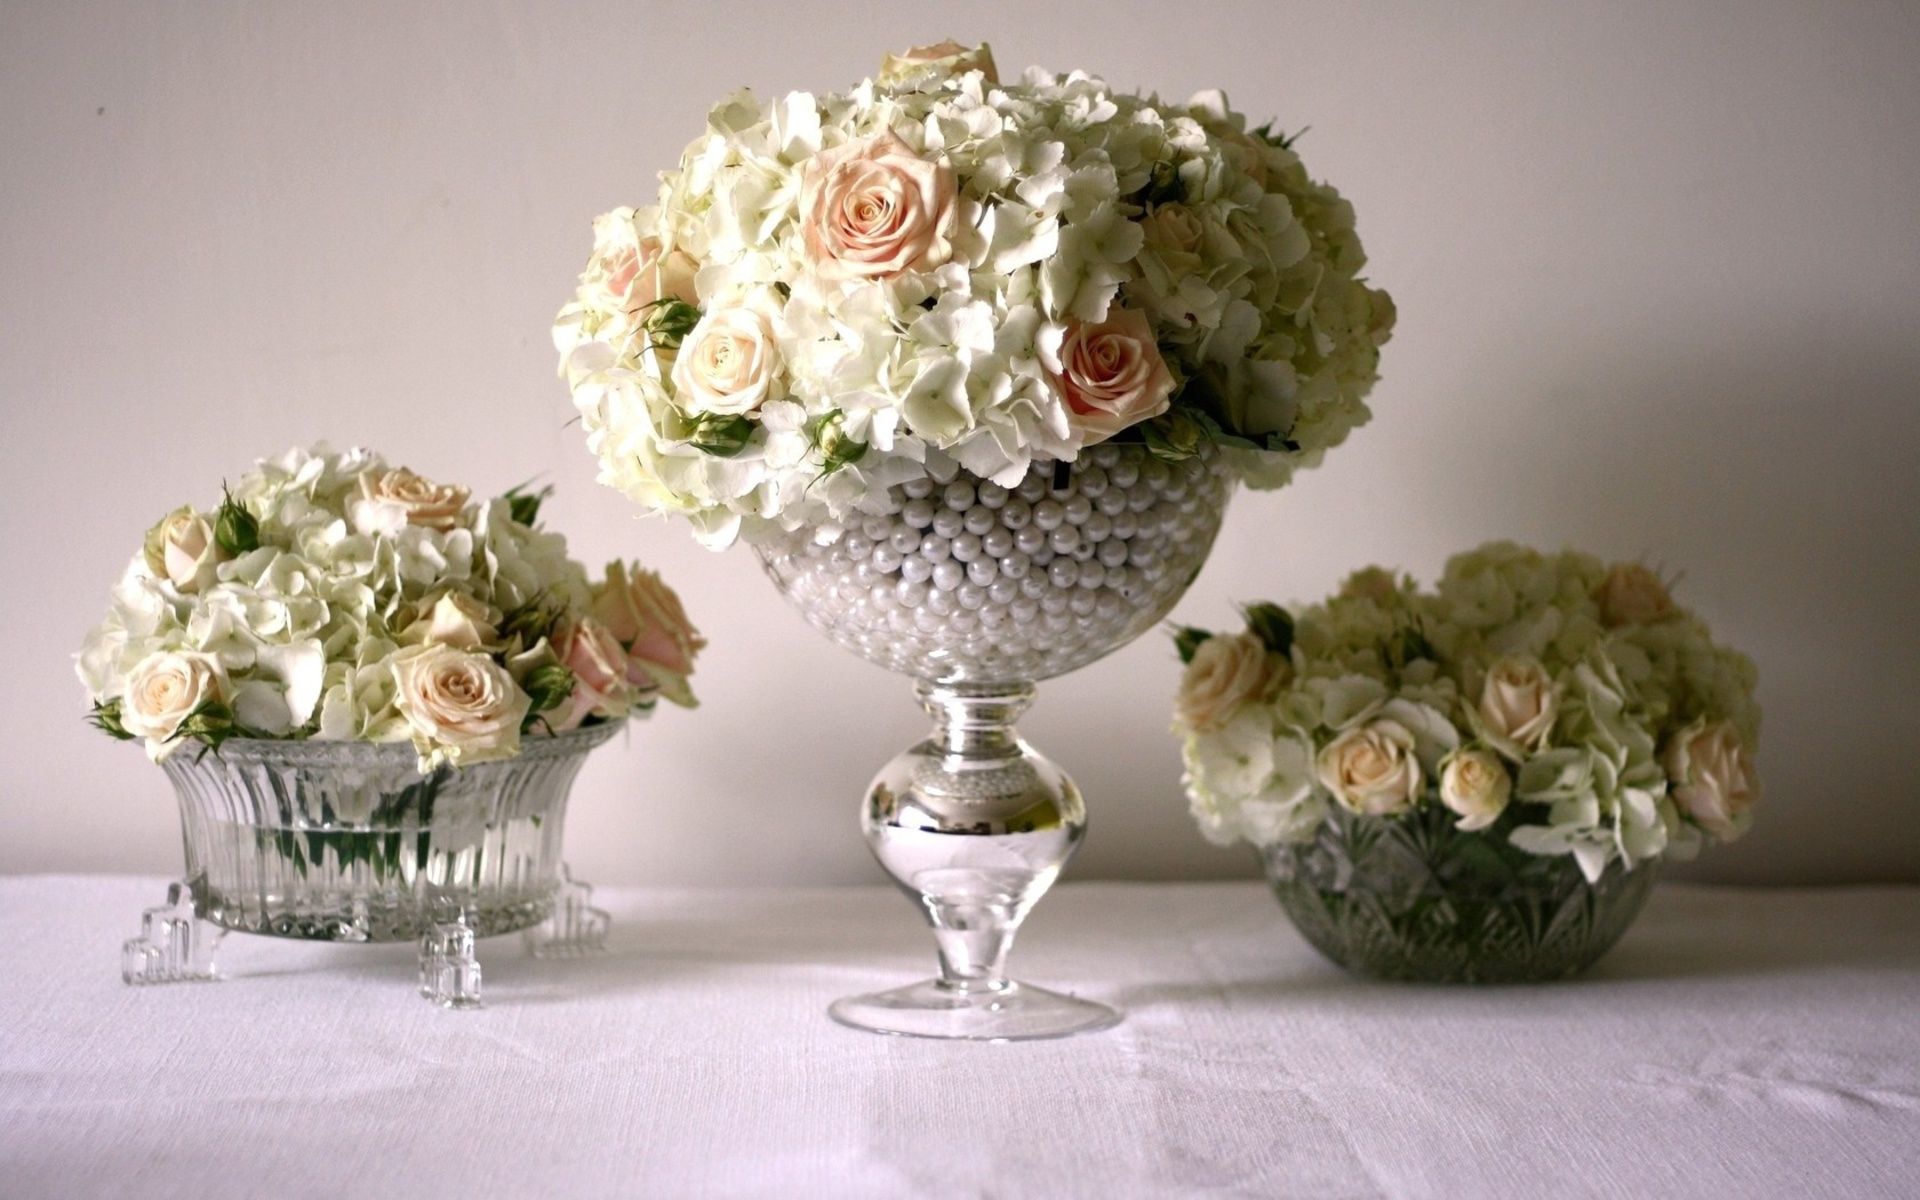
1412,898
348,842
978,591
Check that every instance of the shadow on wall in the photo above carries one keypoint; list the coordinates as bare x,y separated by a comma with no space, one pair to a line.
1781,477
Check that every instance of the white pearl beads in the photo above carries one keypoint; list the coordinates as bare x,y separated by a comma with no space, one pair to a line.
967,580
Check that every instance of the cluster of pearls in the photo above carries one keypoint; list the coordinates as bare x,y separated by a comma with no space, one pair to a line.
961,579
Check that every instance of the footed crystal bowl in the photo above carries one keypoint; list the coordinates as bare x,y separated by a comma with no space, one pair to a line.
978,591
1412,898
348,842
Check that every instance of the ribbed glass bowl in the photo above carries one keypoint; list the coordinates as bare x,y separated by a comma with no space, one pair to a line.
1413,898
348,842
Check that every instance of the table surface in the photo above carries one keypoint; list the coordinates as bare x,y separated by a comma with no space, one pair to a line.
1737,1042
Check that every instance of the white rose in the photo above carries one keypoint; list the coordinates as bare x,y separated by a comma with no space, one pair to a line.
163,690
729,363
391,500
1517,706
1372,769
1475,785
462,707
182,549
1228,671
1713,778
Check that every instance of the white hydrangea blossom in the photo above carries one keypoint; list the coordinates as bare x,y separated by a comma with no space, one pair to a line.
1620,693
306,587
1069,203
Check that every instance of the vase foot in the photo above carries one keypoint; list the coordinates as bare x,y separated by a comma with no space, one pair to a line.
449,970
1009,1013
174,946
575,929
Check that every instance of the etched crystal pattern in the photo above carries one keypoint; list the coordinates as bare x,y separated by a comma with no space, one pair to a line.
346,841
1413,898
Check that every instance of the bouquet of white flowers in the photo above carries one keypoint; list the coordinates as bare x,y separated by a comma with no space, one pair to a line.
836,294
329,596
1569,706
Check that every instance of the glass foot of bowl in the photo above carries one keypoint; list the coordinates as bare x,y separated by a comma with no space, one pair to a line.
1009,1012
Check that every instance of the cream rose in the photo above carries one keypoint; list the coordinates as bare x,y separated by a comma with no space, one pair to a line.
461,707
648,619
1228,671
1475,785
1632,595
183,549
1372,769
729,363
873,209
636,277
163,690
394,499
1518,706
948,58
1713,778
1112,375
456,620
1174,228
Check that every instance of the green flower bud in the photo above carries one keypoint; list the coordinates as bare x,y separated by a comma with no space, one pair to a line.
1186,640
1273,625
235,530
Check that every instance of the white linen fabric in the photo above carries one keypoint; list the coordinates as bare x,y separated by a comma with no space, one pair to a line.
1738,1042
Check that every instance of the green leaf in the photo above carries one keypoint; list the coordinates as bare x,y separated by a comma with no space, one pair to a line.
106,718
1273,625
722,435
235,529
547,688
1186,640
525,505
1164,185
670,321
828,436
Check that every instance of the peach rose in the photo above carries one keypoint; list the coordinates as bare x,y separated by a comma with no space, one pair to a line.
1372,769
1518,705
1713,777
1112,375
1228,671
599,665
461,707
394,499
729,363
1632,595
873,209
948,58
637,277
648,619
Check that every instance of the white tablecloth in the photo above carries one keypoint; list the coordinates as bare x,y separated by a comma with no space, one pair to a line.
1737,1043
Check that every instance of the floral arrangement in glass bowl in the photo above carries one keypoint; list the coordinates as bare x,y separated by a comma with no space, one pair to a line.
388,690
331,597
1475,782
836,294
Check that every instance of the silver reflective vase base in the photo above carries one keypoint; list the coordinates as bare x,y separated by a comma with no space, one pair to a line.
974,826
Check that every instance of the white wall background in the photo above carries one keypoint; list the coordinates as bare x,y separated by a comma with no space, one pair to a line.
1658,268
